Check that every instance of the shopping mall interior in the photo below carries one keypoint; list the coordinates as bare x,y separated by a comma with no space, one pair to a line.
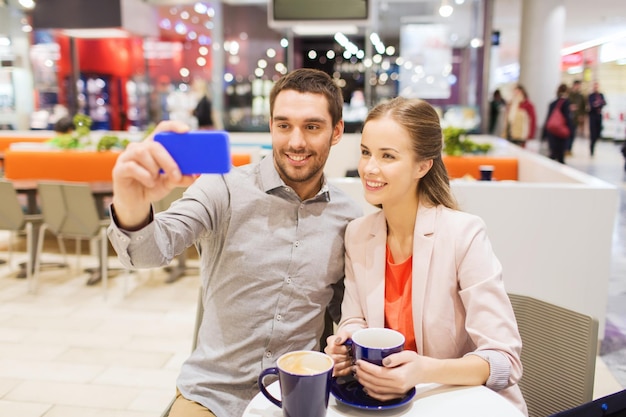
71,349
144,61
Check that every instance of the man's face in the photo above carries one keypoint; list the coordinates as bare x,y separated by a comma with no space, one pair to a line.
302,134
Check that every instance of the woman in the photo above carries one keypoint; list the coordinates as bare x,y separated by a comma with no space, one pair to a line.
521,119
423,268
559,144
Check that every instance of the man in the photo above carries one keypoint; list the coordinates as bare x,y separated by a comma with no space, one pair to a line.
270,236
596,103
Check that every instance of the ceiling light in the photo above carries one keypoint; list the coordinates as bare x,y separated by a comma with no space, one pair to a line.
200,8
27,4
445,10
96,33
594,42
319,30
476,43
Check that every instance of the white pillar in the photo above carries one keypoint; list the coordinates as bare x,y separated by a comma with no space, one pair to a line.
21,75
542,34
218,65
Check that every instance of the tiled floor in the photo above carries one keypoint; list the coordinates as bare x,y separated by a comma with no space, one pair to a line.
66,351
608,164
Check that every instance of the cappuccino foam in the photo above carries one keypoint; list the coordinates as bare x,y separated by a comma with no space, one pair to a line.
305,363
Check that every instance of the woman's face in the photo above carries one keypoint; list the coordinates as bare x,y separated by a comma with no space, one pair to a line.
388,167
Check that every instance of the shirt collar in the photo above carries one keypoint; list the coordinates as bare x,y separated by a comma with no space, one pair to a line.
272,181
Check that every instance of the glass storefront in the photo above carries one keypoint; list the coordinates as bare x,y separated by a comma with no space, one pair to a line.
231,51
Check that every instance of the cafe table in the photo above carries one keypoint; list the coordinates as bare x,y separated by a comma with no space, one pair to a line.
430,400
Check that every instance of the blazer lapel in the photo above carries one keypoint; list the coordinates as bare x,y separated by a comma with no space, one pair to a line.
423,243
375,272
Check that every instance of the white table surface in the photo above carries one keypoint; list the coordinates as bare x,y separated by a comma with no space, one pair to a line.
431,400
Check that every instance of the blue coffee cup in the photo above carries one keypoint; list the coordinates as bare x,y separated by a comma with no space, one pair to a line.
486,172
373,344
304,377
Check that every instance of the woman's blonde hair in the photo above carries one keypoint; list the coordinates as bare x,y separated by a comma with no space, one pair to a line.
421,122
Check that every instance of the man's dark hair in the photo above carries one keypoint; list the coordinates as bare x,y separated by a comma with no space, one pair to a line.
308,80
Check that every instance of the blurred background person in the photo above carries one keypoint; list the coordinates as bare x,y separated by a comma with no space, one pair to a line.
521,119
578,107
559,145
596,103
64,125
497,108
203,111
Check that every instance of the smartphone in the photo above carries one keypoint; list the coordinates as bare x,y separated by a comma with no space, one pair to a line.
199,151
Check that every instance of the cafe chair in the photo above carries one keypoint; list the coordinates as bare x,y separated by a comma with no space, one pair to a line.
180,269
69,211
13,219
559,349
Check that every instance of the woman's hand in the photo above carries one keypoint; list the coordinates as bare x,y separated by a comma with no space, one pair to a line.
340,353
400,372
403,370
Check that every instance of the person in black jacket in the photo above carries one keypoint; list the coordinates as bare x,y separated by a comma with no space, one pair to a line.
558,145
596,103
204,112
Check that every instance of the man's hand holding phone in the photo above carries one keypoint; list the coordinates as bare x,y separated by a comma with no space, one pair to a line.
147,171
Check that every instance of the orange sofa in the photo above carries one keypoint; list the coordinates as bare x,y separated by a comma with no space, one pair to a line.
504,168
89,166
71,165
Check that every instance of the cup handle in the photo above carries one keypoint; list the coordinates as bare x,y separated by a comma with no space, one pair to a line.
264,373
350,345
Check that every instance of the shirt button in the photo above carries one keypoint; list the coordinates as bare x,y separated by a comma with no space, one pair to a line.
297,243
279,317
268,354
288,280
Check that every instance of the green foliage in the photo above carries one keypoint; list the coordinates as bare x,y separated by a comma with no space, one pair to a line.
79,138
107,142
65,141
74,140
455,143
149,130
82,122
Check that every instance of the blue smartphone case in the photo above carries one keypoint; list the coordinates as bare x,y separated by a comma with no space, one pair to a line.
198,152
